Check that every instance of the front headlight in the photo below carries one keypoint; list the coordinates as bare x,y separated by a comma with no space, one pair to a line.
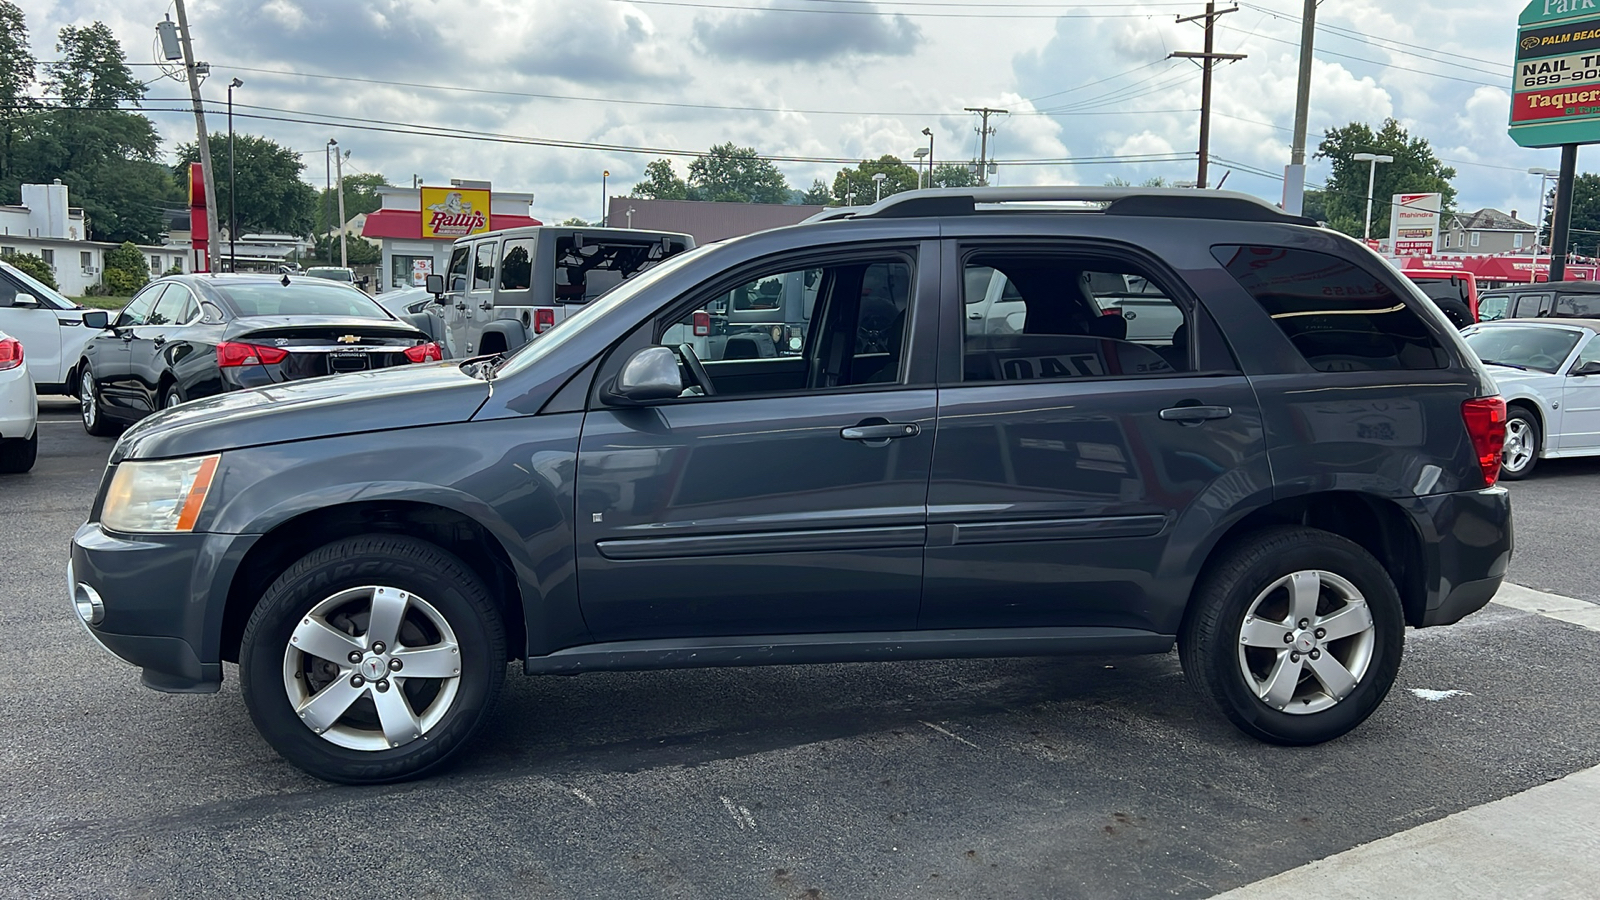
160,496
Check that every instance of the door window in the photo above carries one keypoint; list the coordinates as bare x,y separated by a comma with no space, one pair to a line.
516,267
1530,306
460,262
176,307
483,267
1042,316
138,310
1580,306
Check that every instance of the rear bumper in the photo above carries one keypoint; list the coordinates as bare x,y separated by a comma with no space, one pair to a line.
19,408
1471,542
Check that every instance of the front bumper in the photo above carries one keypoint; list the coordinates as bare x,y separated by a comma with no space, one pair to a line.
1471,538
161,599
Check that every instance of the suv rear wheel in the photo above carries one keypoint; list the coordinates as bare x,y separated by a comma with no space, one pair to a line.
1295,635
372,660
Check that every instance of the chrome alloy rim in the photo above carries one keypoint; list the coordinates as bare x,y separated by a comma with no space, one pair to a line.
1518,451
1306,642
372,668
86,398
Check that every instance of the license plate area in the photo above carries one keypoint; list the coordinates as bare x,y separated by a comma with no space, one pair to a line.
339,363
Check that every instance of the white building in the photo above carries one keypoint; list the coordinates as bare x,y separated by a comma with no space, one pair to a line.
45,225
398,229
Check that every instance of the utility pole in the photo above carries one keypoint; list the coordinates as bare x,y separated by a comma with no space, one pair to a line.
1208,60
983,133
193,68
338,165
327,194
1294,177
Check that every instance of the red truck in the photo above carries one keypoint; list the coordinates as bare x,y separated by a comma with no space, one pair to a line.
1455,292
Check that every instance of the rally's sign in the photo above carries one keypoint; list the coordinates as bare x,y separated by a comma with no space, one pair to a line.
1555,91
452,212
1414,223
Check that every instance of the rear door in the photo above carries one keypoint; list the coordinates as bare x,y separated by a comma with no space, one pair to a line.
1580,401
36,325
1072,456
791,500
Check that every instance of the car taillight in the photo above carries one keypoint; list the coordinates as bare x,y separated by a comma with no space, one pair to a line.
702,324
1486,425
231,354
428,352
544,319
10,354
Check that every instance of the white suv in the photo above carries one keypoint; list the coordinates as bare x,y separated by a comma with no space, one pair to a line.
19,410
50,326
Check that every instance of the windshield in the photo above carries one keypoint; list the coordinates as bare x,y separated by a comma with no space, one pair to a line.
334,274
1536,347
299,298
1493,306
46,295
591,313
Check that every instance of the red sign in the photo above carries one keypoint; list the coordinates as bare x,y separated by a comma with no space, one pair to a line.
199,231
1536,106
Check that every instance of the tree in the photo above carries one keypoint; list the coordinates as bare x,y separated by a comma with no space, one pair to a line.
360,196
1584,226
271,196
736,175
17,67
126,270
1314,205
897,177
661,183
92,72
1415,170
35,265
951,175
575,222
819,195
1156,182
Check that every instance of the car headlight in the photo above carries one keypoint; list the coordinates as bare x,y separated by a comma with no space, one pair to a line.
158,496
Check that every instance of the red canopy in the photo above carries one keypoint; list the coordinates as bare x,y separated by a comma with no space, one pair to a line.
1517,269
406,224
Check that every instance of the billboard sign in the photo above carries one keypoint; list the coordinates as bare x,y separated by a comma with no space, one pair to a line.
451,212
1414,224
1555,90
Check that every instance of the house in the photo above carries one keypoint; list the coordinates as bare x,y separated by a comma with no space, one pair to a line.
1487,231
47,226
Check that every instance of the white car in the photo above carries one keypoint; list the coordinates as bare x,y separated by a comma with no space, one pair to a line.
49,325
1548,370
19,410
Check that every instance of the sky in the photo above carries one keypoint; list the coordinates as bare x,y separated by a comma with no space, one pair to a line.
1091,92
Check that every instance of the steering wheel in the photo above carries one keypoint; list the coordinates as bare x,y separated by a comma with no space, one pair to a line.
1542,361
692,361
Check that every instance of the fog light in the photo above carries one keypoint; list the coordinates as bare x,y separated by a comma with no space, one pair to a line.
91,609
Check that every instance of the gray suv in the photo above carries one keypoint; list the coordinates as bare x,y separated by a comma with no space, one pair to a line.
1282,462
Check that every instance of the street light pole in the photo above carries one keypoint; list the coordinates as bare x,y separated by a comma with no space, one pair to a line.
338,186
877,186
604,174
1544,179
1372,176
233,204
928,132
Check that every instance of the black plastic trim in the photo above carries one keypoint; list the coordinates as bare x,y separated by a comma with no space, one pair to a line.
764,542
1058,529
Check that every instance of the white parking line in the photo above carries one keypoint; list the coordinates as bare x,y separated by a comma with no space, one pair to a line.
1552,606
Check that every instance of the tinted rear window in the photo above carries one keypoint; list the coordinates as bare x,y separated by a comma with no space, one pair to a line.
1582,306
300,298
1340,317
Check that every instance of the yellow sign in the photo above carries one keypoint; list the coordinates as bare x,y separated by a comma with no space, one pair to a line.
449,212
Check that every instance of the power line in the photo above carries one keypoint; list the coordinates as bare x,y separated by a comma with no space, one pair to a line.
1377,41
1080,87
1323,52
909,15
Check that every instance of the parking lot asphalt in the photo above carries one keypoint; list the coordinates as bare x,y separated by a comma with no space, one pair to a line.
1075,777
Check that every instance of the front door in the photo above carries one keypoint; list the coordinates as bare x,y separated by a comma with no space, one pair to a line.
1074,448
110,355
457,328
789,495
1580,402
37,326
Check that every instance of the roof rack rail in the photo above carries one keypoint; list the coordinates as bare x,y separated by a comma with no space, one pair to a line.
1183,203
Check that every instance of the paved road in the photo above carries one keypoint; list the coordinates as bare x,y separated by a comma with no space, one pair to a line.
1063,778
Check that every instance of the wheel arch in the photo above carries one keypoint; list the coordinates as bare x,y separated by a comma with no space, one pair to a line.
1537,409
449,529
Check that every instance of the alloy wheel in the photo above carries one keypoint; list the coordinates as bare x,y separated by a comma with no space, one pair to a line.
372,668
91,413
1306,642
1518,451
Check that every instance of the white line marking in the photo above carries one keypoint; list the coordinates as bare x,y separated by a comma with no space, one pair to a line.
951,736
741,816
584,797
1551,606
1436,696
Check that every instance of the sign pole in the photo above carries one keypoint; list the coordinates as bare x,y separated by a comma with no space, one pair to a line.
1563,213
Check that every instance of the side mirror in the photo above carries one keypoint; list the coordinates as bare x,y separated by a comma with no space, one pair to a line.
435,284
1592,367
649,374
25,301
98,319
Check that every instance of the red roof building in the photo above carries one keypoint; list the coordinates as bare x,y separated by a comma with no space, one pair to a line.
409,256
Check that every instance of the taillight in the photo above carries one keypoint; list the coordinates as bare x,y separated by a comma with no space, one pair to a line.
544,319
1486,425
231,354
10,354
428,352
702,324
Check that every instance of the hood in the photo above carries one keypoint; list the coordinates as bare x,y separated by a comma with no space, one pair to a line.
1507,375
384,399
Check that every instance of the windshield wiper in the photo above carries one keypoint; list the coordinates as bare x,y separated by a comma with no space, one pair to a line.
1496,362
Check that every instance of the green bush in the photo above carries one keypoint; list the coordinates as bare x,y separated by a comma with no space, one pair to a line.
126,270
35,266
175,270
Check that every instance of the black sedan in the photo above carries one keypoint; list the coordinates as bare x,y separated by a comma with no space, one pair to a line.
189,336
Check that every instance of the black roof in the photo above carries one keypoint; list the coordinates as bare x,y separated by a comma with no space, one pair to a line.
1544,287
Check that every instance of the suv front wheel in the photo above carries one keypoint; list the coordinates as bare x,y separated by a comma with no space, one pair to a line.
373,659
1295,635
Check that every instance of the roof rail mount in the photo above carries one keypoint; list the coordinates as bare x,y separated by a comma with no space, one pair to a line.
1182,203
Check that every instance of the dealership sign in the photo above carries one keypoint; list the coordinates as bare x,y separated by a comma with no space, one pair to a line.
1414,224
452,212
1555,92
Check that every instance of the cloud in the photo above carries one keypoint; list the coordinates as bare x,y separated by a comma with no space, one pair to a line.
767,36
615,45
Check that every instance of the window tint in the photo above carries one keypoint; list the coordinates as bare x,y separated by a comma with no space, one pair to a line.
1339,316
139,308
1529,306
308,297
516,266
1041,316
172,307
1583,306
483,267
460,261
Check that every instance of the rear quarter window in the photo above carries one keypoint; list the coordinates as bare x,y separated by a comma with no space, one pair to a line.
1581,306
1341,317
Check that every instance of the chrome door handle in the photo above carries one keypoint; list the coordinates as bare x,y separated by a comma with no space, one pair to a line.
888,431
1194,415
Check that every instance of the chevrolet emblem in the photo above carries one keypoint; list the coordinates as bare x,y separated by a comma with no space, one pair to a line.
349,339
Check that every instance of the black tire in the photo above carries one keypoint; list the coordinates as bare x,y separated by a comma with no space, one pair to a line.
1456,312
445,586
92,413
17,455
1215,663
1514,465
172,397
